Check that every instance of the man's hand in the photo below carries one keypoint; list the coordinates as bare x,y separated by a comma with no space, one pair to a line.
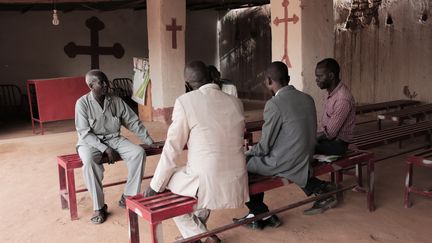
149,192
110,154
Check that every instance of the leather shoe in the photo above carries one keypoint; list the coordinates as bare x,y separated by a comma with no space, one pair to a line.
321,206
255,225
273,221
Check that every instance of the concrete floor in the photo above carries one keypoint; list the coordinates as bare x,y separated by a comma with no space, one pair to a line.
30,206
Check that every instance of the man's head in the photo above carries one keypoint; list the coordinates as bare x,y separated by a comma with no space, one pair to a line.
277,76
327,74
97,82
196,74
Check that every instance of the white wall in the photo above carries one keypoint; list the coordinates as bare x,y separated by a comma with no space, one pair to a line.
379,60
31,47
317,44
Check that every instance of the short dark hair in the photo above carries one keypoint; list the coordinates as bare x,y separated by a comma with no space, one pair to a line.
196,74
330,65
214,73
278,72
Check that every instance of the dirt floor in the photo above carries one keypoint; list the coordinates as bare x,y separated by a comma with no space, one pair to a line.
30,204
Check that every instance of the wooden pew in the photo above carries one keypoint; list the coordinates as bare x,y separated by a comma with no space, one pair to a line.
66,166
387,105
416,112
166,205
422,159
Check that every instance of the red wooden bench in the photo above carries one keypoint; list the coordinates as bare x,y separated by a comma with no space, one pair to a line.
66,166
422,159
395,134
166,205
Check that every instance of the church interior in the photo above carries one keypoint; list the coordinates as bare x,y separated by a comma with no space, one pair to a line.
47,46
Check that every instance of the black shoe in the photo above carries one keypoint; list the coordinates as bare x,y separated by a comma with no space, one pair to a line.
122,201
255,225
273,221
321,206
328,187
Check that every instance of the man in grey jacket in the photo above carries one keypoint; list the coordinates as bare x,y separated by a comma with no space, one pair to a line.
98,118
287,143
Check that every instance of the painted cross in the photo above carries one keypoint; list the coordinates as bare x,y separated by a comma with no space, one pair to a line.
285,20
174,28
94,50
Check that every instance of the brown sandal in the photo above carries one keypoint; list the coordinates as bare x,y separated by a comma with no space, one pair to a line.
100,215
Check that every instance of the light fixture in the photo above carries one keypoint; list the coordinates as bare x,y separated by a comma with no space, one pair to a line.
55,19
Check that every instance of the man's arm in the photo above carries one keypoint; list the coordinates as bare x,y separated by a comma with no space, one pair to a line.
335,122
177,137
82,125
270,131
131,121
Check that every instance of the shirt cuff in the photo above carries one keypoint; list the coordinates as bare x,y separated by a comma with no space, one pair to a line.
156,185
148,140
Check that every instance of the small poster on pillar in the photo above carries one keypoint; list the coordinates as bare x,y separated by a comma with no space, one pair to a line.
141,79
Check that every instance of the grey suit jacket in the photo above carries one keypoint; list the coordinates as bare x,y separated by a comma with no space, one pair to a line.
288,137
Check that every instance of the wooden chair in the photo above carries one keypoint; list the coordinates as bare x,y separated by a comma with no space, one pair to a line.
123,88
11,100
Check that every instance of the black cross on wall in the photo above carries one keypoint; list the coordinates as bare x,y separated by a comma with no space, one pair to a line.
94,50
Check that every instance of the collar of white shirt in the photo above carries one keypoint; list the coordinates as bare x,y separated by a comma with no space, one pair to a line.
209,86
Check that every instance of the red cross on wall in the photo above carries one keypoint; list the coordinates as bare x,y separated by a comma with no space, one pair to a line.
174,28
285,20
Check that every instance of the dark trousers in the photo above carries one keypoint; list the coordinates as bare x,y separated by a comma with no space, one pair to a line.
331,147
256,203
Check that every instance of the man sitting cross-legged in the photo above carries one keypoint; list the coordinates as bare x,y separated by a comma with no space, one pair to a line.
287,143
211,123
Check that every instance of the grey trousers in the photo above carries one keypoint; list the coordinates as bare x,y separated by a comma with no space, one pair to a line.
132,154
192,223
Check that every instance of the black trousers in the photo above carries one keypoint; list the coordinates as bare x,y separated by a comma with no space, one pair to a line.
331,146
256,203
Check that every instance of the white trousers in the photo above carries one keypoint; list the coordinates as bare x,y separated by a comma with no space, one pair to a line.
192,223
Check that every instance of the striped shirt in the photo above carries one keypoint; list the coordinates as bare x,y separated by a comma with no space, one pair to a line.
339,115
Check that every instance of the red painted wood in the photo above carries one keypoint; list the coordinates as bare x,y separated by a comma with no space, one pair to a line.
417,159
55,98
68,163
166,205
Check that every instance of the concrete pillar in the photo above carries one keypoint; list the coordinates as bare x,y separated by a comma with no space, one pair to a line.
304,30
286,23
166,21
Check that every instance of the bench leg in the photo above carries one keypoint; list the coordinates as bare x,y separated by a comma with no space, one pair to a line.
339,179
63,188
72,194
371,181
408,184
156,232
359,174
133,227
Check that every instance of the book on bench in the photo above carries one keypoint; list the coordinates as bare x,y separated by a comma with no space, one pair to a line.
326,158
